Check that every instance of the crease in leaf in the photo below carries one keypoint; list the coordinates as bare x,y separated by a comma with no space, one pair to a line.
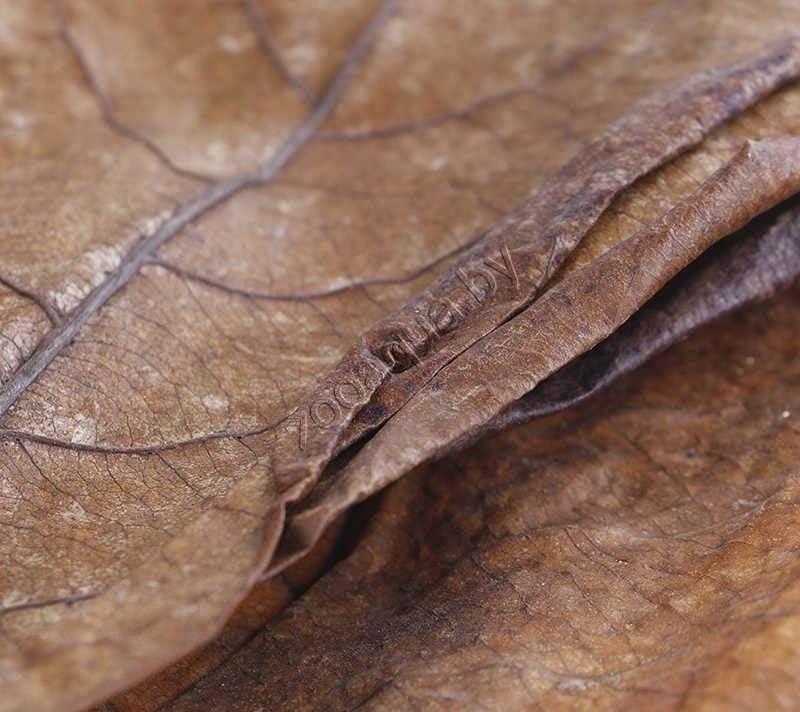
508,363
199,570
539,236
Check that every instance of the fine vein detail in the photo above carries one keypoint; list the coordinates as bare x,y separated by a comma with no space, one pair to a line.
59,337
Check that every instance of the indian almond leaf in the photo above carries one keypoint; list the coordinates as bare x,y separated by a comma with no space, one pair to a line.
517,257
186,251
750,265
263,603
603,284
638,551
513,261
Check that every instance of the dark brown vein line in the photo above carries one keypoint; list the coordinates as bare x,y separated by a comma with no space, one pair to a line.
49,310
360,284
105,105
324,108
63,600
259,24
467,110
404,127
7,435
59,337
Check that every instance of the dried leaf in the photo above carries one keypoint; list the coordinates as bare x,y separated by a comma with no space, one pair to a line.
749,265
607,280
227,229
638,551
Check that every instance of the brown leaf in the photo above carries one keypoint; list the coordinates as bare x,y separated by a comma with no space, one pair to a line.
599,298
748,265
637,551
207,207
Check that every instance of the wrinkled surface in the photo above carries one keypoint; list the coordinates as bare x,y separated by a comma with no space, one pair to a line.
600,297
639,551
752,264
239,238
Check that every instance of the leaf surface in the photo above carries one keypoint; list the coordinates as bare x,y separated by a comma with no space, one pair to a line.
636,551
231,237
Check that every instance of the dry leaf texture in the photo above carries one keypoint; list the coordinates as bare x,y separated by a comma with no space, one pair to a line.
262,259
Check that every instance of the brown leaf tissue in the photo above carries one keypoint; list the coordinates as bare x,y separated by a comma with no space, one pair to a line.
406,355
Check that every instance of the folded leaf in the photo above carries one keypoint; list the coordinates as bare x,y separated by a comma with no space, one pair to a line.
638,551
261,259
